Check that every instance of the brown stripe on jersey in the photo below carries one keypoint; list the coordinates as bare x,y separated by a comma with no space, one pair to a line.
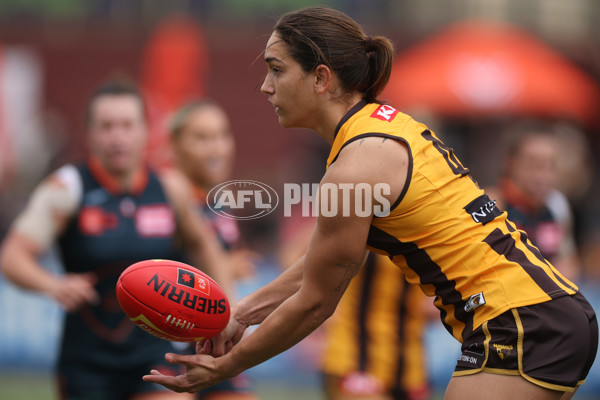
429,274
398,390
504,244
363,311
538,255
527,243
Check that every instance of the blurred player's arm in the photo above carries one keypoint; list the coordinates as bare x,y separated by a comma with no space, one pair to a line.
47,213
199,238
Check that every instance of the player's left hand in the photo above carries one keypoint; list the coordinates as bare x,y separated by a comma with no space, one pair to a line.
201,372
222,343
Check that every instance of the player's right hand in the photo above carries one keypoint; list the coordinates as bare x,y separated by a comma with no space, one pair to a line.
72,291
224,341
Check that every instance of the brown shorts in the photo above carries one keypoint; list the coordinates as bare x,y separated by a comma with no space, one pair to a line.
551,344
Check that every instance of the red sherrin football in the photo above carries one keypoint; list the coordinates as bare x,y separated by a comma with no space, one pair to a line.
172,300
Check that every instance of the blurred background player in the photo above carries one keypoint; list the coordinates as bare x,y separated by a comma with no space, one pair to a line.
204,152
528,191
373,347
374,344
106,214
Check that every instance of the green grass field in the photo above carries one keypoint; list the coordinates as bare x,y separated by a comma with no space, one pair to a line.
38,386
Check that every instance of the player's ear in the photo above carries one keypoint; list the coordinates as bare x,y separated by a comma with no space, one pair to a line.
323,79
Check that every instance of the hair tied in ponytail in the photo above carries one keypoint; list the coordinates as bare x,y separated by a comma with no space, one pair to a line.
369,46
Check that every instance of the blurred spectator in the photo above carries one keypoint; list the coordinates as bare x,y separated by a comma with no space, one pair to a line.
528,191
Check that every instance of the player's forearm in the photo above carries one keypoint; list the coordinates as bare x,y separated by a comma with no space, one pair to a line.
214,261
18,261
254,308
295,319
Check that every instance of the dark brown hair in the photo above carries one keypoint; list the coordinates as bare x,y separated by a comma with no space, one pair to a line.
181,117
114,87
321,35
521,131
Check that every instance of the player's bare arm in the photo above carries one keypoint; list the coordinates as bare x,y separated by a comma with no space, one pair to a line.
253,309
335,253
46,215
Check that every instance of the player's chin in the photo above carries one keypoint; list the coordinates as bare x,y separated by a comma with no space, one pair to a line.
283,122
287,122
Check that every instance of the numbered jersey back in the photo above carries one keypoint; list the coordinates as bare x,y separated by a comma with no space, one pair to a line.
445,232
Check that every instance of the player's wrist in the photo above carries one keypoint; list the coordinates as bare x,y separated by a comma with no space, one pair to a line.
240,312
229,365
51,287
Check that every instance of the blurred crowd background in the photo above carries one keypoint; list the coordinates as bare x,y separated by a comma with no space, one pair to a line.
470,69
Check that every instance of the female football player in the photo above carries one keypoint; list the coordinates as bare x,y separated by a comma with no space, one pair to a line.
526,331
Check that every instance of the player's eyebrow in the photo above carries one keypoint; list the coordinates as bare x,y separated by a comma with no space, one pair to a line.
271,59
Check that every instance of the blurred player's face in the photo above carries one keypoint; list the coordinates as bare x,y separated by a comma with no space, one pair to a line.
117,132
534,167
289,87
204,148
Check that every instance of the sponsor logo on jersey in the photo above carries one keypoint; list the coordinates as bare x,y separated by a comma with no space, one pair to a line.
95,221
155,220
127,207
483,210
475,301
385,113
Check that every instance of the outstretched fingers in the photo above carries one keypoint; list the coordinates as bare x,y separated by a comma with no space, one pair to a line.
177,383
200,372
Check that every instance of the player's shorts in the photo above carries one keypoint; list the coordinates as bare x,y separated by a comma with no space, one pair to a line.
78,382
551,344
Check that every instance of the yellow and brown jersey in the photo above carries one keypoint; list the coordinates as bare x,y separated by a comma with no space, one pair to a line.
446,234
378,329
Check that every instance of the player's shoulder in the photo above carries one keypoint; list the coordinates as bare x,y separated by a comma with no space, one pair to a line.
371,155
66,173
66,177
